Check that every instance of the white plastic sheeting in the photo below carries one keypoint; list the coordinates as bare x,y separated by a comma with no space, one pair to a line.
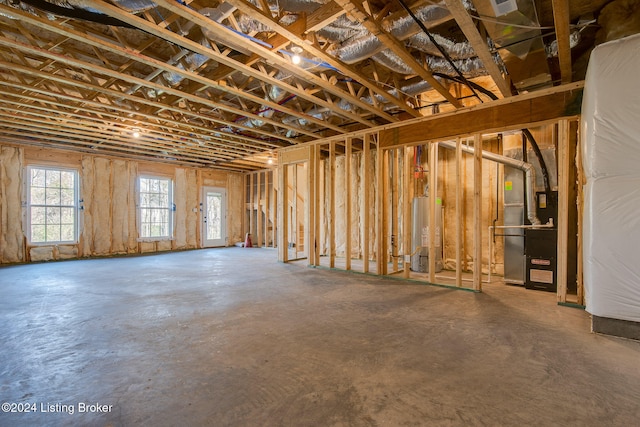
611,158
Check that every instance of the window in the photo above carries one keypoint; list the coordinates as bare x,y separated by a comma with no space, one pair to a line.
52,205
155,207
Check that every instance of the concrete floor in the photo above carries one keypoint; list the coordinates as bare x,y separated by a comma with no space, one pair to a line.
230,337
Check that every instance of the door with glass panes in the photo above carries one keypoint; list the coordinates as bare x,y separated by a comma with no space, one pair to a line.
214,201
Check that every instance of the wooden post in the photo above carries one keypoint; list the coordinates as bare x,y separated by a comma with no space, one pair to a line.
332,204
564,168
251,205
267,209
459,236
316,212
294,209
477,209
382,197
275,212
366,178
311,210
307,209
259,209
283,217
347,204
580,206
433,177
406,214
395,191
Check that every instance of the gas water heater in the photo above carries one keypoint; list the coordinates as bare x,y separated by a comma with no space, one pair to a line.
420,236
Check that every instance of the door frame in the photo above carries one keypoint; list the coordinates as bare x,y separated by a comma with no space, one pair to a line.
210,243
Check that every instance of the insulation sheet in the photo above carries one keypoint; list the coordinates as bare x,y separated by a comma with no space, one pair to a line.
611,158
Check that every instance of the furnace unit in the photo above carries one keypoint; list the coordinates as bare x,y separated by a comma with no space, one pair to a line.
541,246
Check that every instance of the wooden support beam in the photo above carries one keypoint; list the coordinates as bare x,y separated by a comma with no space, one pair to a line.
366,200
347,204
503,114
283,202
267,210
323,16
276,212
331,183
477,212
561,21
459,200
310,207
359,12
294,209
251,205
479,44
395,193
259,221
406,211
250,10
382,197
564,173
200,185
433,180
316,204
581,182
306,209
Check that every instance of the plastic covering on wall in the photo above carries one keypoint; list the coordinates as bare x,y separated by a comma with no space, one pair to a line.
611,157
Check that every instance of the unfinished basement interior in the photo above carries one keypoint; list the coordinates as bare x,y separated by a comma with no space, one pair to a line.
319,212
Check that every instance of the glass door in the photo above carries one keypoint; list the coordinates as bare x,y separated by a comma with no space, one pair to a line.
214,217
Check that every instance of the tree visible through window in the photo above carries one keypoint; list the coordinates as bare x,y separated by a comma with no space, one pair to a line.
155,207
52,205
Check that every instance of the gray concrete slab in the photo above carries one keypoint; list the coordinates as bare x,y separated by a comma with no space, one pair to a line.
230,337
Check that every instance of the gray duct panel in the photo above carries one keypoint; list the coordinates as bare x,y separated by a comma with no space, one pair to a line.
514,214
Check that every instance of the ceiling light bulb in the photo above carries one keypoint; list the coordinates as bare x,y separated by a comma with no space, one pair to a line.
296,58
269,160
136,134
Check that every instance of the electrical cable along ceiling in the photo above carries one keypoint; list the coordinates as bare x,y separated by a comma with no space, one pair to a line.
224,83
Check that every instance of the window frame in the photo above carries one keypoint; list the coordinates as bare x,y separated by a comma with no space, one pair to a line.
29,205
171,207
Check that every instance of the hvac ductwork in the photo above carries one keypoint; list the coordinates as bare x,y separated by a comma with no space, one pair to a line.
527,168
364,47
412,89
472,67
192,59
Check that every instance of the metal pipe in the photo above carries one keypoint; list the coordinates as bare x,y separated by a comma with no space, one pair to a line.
529,171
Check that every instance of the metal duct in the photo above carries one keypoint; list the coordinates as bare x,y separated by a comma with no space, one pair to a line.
343,29
364,47
132,6
460,50
517,36
411,89
471,67
193,61
552,48
320,113
294,5
529,171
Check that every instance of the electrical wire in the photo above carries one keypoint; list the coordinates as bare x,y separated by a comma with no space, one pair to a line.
437,45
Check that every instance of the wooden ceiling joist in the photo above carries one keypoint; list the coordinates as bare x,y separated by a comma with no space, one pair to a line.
249,71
